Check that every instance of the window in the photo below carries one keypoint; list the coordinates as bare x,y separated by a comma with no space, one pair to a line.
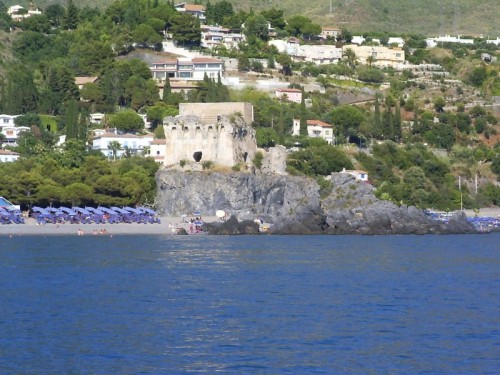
398,55
185,74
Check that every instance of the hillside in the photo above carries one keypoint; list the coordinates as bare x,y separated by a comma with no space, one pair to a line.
418,16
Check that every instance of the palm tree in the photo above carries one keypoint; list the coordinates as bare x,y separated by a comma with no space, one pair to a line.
370,60
114,146
351,58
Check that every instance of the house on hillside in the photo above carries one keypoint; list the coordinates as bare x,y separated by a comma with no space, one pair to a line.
433,42
7,156
315,129
18,13
381,56
330,32
80,81
196,10
291,95
129,143
157,150
214,36
7,120
396,41
357,173
318,54
187,69
9,129
357,39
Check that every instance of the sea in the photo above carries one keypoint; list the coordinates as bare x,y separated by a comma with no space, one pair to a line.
250,304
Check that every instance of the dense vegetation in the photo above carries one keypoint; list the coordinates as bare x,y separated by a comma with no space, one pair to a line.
395,138
435,17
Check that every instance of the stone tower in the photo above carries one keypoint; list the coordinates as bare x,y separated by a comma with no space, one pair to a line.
220,135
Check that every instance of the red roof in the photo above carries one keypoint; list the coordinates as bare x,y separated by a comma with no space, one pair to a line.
8,152
319,123
159,142
194,8
288,90
205,60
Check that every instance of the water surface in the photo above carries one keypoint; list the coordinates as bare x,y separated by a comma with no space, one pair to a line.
250,304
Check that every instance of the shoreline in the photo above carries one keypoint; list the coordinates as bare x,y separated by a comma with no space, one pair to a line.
168,226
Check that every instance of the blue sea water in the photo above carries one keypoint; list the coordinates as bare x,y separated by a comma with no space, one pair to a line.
250,305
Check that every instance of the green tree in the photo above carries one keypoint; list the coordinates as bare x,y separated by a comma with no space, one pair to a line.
217,12
71,120
70,20
114,146
439,104
256,26
266,137
303,118
126,120
78,194
145,35
275,18
347,119
185,29
350,58
37,23
477,76
55,14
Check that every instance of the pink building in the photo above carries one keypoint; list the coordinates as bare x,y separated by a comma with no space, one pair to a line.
291,95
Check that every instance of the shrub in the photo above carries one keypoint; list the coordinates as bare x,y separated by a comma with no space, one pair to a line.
207,164
257,160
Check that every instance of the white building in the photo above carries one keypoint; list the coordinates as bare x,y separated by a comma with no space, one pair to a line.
213,36
97,118
188,69
16,14
494,41
315,129
7,120
357,39
7,156
11,133
396,41
318,54
157,150
433,42
131,143
195,10
358,174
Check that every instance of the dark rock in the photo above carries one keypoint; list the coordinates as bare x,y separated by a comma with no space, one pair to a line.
232,226
181,231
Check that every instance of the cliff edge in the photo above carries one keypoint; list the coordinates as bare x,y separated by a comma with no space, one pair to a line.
292,205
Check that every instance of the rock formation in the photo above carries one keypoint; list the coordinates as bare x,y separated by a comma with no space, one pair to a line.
292,205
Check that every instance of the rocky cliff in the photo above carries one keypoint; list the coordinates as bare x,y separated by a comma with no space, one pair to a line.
293,204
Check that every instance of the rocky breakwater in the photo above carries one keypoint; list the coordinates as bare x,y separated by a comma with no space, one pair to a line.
292,205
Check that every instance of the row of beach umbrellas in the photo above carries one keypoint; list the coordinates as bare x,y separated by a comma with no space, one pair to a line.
99,215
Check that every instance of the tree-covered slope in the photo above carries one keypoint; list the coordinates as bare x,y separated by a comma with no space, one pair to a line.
420,16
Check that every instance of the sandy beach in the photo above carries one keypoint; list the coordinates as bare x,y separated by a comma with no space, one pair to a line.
168,226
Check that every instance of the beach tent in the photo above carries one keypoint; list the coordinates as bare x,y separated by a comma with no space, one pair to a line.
5,203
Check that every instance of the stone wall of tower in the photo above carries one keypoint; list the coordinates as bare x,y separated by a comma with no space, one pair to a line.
226,141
